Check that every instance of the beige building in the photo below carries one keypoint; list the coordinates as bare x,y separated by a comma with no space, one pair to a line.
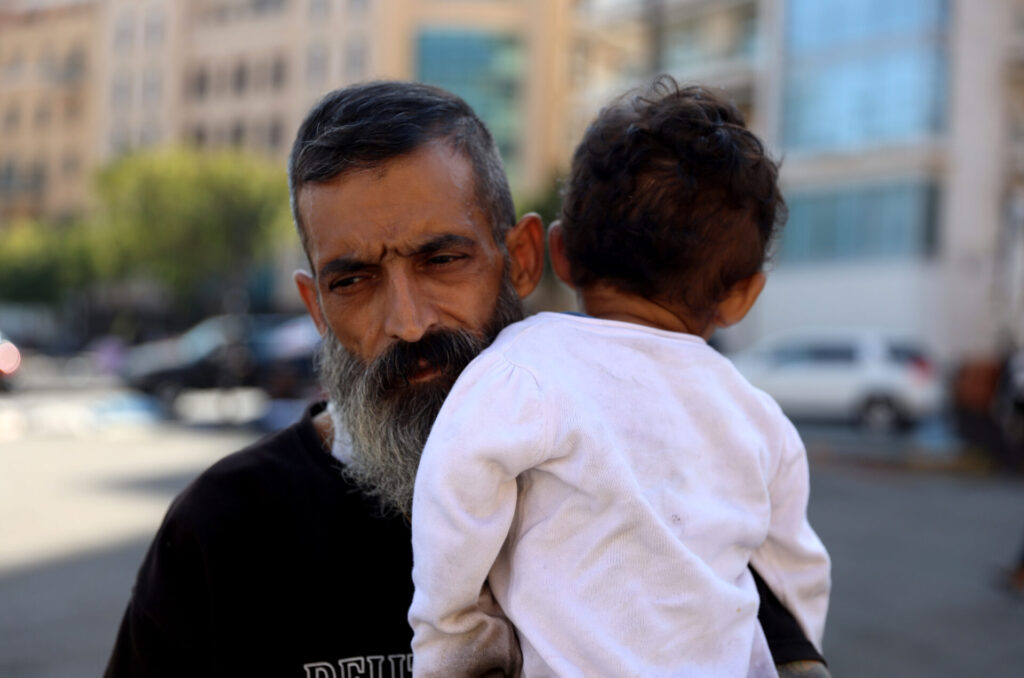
82,81
48,109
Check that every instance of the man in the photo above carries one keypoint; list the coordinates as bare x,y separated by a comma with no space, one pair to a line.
293,557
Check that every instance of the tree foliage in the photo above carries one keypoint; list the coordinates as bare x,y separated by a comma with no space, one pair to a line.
190,221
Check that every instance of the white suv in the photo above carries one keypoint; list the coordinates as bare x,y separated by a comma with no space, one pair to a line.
881,381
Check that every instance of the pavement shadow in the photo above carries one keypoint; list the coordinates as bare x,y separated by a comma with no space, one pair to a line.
59,618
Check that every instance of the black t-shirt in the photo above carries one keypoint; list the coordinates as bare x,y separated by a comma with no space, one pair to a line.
272,564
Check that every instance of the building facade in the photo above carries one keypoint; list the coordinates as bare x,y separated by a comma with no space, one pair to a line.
49,115
82,81
899,126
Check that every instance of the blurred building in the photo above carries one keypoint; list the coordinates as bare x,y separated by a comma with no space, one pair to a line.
48,108
82,81
901,127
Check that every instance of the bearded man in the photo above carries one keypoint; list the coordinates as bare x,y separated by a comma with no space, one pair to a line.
293,557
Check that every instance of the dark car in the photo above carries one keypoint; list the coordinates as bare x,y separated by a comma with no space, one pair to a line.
224,351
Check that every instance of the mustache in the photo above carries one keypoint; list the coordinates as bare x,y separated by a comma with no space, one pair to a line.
446,350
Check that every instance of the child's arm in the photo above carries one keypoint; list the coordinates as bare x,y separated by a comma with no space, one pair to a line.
793,561
490,429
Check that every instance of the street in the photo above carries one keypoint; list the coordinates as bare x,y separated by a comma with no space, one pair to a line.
916,547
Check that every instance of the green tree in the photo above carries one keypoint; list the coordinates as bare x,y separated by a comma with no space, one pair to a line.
195,223
39,261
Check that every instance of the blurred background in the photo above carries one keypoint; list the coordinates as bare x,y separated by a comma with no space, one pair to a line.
149,324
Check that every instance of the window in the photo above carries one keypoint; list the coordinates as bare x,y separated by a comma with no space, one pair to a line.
862,73
12,118
14,67
316,64
121,90
152,87
74,65
124,31
154,29
240,79
712,36
484,68
278,73
70,165
355,67
36,180
880,221
835,354
43,114
237,133
8,177
199,84
275,134
358,7
149,135
319,9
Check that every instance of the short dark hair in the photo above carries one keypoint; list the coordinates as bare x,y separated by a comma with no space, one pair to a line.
671,197
366,125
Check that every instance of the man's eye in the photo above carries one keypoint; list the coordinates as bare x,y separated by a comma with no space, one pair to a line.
441,259
348,281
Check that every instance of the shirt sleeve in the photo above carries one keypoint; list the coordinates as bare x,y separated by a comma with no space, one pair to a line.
491,428
792,560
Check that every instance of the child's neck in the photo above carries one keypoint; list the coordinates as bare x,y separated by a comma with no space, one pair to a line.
604,301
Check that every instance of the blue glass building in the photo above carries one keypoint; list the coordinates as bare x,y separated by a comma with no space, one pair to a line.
863,76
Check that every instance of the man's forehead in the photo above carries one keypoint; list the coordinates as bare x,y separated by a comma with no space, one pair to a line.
397,205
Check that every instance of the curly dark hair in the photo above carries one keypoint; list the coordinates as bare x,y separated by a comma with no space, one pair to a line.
671,197
364,126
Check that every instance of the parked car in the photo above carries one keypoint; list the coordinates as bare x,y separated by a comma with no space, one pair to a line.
220,352
882,382
10,361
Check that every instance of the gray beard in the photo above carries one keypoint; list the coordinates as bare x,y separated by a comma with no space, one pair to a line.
387,418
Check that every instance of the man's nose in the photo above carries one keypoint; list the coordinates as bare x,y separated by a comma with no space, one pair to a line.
409,313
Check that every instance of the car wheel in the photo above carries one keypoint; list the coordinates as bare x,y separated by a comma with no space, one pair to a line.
880,415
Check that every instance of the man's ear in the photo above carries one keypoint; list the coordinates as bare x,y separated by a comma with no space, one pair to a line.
739,300
307,290
525,245
556,249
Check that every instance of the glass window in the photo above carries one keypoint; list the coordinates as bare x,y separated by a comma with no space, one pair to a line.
355,66
12,117
318,9
278,73
864,73
152,87
124,31
154,29
316,64
121,90
720,35
43,114
882,221
237,133
484,68
240,78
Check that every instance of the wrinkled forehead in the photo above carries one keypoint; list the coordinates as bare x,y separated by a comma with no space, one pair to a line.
392,206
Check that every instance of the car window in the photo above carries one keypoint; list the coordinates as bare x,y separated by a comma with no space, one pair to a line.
906,353
831,353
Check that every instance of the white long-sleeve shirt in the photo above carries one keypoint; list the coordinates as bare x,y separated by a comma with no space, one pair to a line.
613,481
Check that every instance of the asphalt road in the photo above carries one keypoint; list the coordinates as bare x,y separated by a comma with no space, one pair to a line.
85,478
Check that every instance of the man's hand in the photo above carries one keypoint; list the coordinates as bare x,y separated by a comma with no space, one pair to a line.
803,669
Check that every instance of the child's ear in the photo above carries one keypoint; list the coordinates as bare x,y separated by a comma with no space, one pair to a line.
739,299
556,249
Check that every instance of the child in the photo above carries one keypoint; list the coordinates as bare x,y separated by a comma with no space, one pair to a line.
611,474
